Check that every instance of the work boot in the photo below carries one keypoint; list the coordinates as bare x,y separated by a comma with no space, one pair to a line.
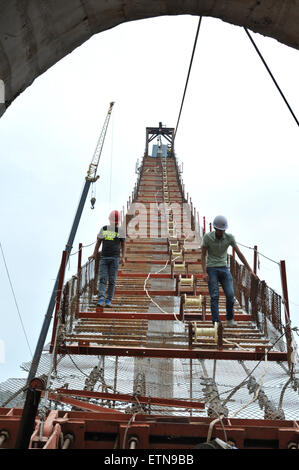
231,323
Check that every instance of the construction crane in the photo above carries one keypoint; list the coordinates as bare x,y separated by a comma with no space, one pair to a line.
27,419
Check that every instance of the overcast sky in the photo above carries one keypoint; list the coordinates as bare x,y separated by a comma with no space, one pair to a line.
236,139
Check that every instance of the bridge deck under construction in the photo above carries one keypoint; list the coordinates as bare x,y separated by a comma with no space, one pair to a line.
153,371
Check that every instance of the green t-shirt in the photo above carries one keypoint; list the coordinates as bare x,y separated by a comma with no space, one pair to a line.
217,248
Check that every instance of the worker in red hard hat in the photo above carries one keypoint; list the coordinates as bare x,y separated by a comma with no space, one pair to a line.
114,217
214,265
113,252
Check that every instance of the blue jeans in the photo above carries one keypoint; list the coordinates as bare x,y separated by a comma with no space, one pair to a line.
108,270
223,276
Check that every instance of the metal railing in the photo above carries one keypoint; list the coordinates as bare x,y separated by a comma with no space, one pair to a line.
256,297
263,303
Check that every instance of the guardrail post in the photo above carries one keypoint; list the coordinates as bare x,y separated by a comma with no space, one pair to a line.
204,308
220,335
190,335
283,276
255,259
182,304
79,266
253,295
59,292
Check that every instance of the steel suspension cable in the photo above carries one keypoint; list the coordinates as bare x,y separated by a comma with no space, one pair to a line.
271,75
187,80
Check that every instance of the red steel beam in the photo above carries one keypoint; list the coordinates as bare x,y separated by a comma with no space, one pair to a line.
157,179
153,275
222,317
129,398
283,275
146,261
151,292
155,261
149,252
81,404
127,315
154,316
245,432
153,199
143,275
142,292
171,189
84,348
144,242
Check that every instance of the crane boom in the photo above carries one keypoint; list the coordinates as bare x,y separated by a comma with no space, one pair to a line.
92,170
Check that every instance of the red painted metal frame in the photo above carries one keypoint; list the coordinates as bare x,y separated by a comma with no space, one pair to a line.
153,275
143,252
151,292
155,261
51,433
143,275
100,314
146,261
153,431
81,404
283,275
157,179
84,348
149,191
167,402
144,242
140,292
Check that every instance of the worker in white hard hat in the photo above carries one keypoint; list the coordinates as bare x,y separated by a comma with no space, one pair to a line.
215,270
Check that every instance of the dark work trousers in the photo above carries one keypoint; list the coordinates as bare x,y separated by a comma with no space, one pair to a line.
108,271
221,275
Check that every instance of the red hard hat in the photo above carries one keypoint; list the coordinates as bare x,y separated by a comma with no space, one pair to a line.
114,216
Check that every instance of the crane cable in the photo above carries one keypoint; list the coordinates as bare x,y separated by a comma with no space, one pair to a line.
271,75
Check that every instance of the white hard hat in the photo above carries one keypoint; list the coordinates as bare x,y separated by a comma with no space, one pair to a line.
220,222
